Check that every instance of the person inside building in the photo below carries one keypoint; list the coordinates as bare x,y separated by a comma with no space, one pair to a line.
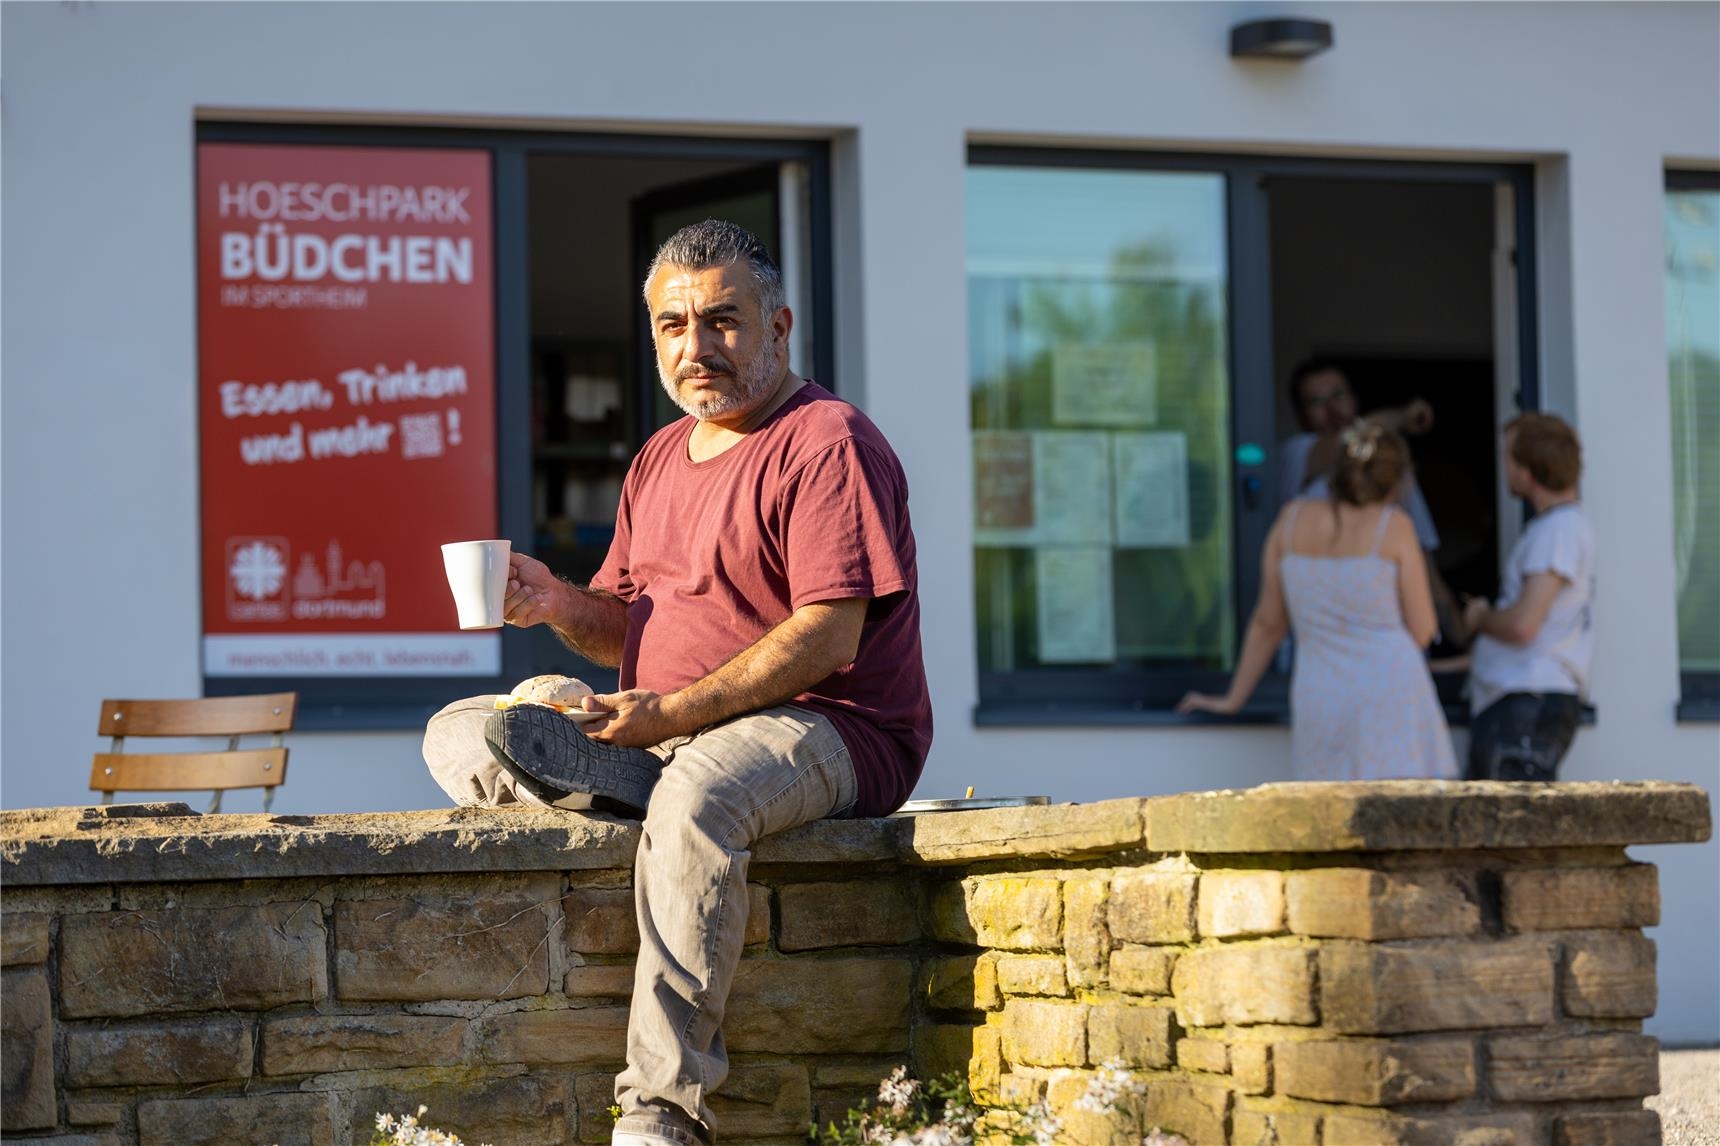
1325,406
1346,574
760,600
1529,665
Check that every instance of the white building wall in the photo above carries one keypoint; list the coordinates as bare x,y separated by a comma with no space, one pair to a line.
99,472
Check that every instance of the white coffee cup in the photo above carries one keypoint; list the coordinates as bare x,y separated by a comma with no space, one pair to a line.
478,575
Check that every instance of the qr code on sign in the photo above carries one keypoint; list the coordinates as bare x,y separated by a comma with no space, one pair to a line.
421,435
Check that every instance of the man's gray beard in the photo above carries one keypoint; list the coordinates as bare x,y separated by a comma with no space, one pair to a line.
752,383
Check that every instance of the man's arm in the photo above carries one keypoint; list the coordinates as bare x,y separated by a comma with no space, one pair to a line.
589,621
1521,622
813,642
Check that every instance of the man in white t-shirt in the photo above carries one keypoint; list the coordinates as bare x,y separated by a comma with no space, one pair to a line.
1530,664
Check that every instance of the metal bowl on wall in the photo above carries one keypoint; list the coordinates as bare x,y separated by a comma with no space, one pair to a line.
969,804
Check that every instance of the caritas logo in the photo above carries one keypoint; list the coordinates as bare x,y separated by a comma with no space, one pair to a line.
257,578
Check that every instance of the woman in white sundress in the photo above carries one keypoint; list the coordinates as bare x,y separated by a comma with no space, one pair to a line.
1347,575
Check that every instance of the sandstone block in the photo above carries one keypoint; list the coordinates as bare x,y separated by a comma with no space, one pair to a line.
985,1066
819,1006
184,1052
1198,1113
1059,830
1064,1095
1129,1033
1608,974
1445,1130
854,914
1357,903
488,944
1527,1069
26,1051
599,981
1376,1072
961,983
1152,907
1032,975
1607,1128
578,1036
947,913
1560,899
1251,1067
601,920
1412,815
23,938
758,914
94,1113
1243,985
1211,1055
1238,903
1020,1089
277,1119
761,1100
1143,970
523,1110
942,1048
1437,986
1087,930
321,1044
192,959
1044,1034
1017,913
593,1095
1274,1128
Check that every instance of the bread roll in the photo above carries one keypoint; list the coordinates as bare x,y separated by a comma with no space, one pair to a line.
561,693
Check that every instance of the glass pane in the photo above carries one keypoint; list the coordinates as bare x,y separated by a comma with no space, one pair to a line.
1100,399
1693,346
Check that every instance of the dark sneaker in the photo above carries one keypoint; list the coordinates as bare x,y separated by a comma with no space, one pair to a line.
551,757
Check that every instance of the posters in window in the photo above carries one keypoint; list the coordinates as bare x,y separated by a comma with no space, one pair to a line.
347,406
1047,487
1073,596
1105,384
1151,472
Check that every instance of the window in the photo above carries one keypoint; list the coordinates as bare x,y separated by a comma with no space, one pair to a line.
575,392
1693,364
1101,422
1132,322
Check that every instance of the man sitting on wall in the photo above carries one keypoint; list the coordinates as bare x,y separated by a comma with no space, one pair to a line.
1530,664
760,599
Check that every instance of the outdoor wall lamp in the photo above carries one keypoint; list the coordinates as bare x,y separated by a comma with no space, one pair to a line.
1280,38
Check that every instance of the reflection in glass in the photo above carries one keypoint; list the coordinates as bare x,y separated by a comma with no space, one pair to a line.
1693,346
1100,414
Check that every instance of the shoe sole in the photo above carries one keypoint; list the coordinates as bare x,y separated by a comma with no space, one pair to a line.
551,756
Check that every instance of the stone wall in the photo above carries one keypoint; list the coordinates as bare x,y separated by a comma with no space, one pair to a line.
1339,964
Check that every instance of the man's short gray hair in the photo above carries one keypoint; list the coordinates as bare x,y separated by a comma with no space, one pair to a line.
719,243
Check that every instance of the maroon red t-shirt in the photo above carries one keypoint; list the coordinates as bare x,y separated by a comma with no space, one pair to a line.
811,506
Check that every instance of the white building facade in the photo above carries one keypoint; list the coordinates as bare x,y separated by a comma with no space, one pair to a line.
1121,237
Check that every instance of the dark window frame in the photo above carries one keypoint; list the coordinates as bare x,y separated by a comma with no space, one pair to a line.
1698,691
405,703
1131,695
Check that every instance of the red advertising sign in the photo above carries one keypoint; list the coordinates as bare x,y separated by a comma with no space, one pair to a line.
347,406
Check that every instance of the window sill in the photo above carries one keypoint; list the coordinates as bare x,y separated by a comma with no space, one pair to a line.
1020,714
1120,715
1699,710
